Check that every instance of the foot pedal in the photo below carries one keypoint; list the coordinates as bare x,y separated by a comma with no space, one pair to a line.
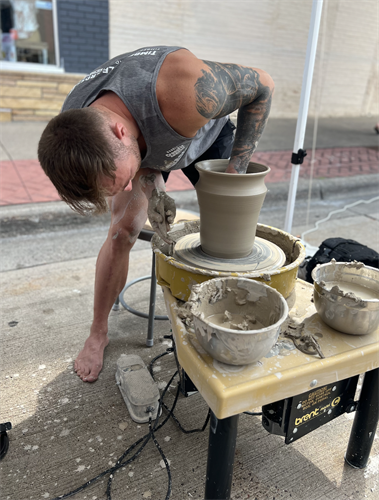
140,392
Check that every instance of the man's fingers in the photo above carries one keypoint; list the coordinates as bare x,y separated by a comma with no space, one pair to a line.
162,211
161,230
171,206
170,216
163,235
156,217
231,170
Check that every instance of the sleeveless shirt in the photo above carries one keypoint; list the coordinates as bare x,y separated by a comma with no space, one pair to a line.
132,77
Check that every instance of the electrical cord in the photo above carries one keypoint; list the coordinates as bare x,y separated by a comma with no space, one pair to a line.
168,351
171,411
150,434
144,440
376,198
168,494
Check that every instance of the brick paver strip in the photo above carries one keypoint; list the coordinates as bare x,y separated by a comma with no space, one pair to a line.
24,181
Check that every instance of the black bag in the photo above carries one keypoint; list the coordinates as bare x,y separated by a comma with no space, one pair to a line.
341,250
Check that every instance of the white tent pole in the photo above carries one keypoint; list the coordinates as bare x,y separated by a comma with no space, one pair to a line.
303,108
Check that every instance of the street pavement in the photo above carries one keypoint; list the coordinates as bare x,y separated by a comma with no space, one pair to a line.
66,432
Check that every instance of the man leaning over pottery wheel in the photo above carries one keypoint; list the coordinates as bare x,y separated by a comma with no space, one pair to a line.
121,131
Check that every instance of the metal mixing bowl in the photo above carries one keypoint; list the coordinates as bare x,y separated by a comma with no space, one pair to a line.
347,313
239,296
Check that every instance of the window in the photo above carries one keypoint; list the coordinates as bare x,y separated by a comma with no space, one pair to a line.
28,32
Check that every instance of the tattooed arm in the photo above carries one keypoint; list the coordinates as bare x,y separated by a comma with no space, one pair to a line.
191,92
222,89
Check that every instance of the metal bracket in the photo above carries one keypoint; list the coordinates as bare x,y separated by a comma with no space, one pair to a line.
298,158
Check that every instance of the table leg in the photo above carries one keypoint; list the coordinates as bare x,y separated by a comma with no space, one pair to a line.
365,422
221,448
153,294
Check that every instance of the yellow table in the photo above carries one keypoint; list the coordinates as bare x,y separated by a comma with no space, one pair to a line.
230,390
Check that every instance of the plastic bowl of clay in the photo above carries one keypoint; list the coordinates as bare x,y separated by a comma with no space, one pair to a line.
237,320
346,296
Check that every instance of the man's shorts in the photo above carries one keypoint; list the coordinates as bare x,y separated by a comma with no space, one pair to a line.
220,149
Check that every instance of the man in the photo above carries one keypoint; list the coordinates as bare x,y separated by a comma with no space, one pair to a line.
142,113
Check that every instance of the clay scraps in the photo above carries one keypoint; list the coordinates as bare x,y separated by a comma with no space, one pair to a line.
306,344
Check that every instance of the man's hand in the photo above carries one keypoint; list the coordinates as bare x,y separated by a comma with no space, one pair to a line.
231,168
161,213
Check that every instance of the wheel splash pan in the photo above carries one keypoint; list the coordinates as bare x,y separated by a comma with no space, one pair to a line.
180,277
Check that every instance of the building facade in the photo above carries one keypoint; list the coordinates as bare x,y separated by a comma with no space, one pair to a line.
46,48
45,54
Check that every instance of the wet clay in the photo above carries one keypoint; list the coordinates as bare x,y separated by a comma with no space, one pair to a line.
341,280
359,291
229,207
235,321
161,213
346,296
241,306
181,276
265,256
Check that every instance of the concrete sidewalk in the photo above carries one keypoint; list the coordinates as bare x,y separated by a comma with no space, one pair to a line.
345,149
66,432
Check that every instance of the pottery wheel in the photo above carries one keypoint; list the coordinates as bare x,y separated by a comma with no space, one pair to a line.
265,256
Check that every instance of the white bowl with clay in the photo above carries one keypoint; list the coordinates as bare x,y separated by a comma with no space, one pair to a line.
346,296
237,320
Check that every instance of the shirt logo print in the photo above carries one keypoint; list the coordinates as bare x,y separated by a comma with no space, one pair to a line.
175,151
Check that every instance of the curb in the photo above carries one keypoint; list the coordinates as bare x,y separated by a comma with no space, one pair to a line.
326,189
56,215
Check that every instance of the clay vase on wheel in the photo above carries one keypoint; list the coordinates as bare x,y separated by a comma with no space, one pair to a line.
229,207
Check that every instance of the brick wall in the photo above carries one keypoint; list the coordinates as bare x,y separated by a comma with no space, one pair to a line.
271,35
33,96
83,34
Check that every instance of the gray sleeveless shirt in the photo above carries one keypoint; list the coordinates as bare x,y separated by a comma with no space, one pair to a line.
133,76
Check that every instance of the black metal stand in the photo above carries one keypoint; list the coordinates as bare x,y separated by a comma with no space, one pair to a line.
153,295
151,314
221,448
365,422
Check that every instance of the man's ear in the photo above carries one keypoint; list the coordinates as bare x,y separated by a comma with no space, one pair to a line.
120,130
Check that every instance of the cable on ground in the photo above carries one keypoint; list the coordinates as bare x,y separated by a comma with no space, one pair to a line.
144,440
376,198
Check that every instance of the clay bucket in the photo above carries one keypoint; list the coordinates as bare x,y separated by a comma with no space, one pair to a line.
241,297
229,207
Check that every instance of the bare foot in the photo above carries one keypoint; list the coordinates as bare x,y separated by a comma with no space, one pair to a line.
89,362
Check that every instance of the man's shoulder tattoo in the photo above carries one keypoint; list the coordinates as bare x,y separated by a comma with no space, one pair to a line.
223,88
